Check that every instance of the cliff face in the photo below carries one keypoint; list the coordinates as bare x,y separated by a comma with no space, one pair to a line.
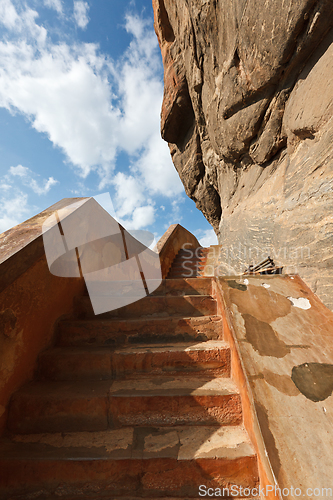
247,113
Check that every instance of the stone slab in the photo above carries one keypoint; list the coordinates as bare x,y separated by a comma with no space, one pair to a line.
122,332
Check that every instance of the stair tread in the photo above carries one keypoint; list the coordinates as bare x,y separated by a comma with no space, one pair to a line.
163,385
178,442
181,346
58,390
139,348
140,320
167,385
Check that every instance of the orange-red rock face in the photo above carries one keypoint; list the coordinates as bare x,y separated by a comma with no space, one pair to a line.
247,113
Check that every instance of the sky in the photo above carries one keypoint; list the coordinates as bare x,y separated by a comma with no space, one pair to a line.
81,87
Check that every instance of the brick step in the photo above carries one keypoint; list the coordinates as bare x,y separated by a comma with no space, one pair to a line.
129,463
99,405
193,252
187,305
187,266
177,287
184,273
185,286
168,400
98,332
193,260
72,363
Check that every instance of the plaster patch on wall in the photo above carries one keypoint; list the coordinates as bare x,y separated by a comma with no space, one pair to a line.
300,302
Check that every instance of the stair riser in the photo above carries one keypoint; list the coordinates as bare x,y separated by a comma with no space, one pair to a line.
185,274
92,479
175,410
61,365
215,362
36,415
104,365
109,333
152,306
176,287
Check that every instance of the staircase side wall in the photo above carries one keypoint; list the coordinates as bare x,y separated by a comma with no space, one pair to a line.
171,242
31,301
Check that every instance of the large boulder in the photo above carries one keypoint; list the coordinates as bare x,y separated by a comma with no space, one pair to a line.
247,113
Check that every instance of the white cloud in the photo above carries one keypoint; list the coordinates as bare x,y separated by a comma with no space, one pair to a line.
27,178
141,217
207,237
81,13
129,194
91,107
8,15
54,4
19,170
12,210
22,22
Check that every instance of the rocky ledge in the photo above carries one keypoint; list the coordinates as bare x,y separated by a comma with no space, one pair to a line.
247,113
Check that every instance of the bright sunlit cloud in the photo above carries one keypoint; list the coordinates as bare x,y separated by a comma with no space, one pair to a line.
54,4
91,107
28,179
81,13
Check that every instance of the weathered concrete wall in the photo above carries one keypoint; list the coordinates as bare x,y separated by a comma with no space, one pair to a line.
247,113
171,242
31,300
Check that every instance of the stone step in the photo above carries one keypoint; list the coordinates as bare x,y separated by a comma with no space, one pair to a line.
98,332
167,400
185,262
181,286
77,363
128,463
99,405
185,286
185,273
59,407
193,252
211,357
187,305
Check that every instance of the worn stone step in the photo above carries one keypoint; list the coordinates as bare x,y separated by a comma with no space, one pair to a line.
77,363
186,266
127,463
185,286
98,332
193,252
184,274
211,357
187,305
189,263
95,406
59,407
160,401
181,286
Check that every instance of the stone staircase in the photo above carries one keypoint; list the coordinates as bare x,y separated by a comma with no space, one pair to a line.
134,403
189,263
